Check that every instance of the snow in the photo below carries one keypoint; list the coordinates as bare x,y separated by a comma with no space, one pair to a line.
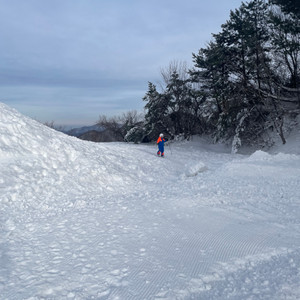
82,220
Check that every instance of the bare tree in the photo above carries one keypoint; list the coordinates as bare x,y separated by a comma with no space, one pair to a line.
131,118
175,66
53,126
111,125
120,125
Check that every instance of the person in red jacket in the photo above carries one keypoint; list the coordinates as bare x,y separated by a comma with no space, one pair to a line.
161,143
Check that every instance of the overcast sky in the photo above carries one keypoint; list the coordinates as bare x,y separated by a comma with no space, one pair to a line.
69,61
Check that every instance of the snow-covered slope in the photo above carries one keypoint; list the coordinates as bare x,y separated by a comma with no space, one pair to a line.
80,220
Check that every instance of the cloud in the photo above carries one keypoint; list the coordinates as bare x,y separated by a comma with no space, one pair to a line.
55,52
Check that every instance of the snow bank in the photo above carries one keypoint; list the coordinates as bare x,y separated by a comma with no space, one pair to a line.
264,156
264,165
38,163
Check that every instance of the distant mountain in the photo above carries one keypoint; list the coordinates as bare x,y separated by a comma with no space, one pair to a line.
95,133
82,130
106,135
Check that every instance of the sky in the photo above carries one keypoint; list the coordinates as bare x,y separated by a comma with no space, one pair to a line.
71,61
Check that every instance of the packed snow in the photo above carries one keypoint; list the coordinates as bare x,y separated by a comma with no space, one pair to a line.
83,220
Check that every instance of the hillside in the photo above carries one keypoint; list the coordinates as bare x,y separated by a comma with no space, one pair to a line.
83,220
82,130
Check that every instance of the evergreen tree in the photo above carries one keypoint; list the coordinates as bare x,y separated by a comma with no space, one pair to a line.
288,6
285,32
156,117
233,68
241,82
212,72
177,91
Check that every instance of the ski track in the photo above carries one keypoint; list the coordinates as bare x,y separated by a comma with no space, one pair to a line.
112,221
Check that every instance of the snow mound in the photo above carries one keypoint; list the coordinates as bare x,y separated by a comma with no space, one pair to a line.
38,163
264,156
194,168
264,165
259,155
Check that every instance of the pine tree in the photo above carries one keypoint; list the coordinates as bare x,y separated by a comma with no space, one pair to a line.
177,93
288,6
233,68
212,72
243,83
156,117
285,32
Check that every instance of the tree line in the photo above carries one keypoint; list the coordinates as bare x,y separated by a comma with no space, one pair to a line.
244,84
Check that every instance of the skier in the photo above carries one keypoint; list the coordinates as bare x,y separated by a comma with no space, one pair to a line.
160,143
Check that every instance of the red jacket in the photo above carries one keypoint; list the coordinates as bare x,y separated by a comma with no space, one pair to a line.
160,140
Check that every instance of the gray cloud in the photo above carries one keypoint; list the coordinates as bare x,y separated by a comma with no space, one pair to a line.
97,54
